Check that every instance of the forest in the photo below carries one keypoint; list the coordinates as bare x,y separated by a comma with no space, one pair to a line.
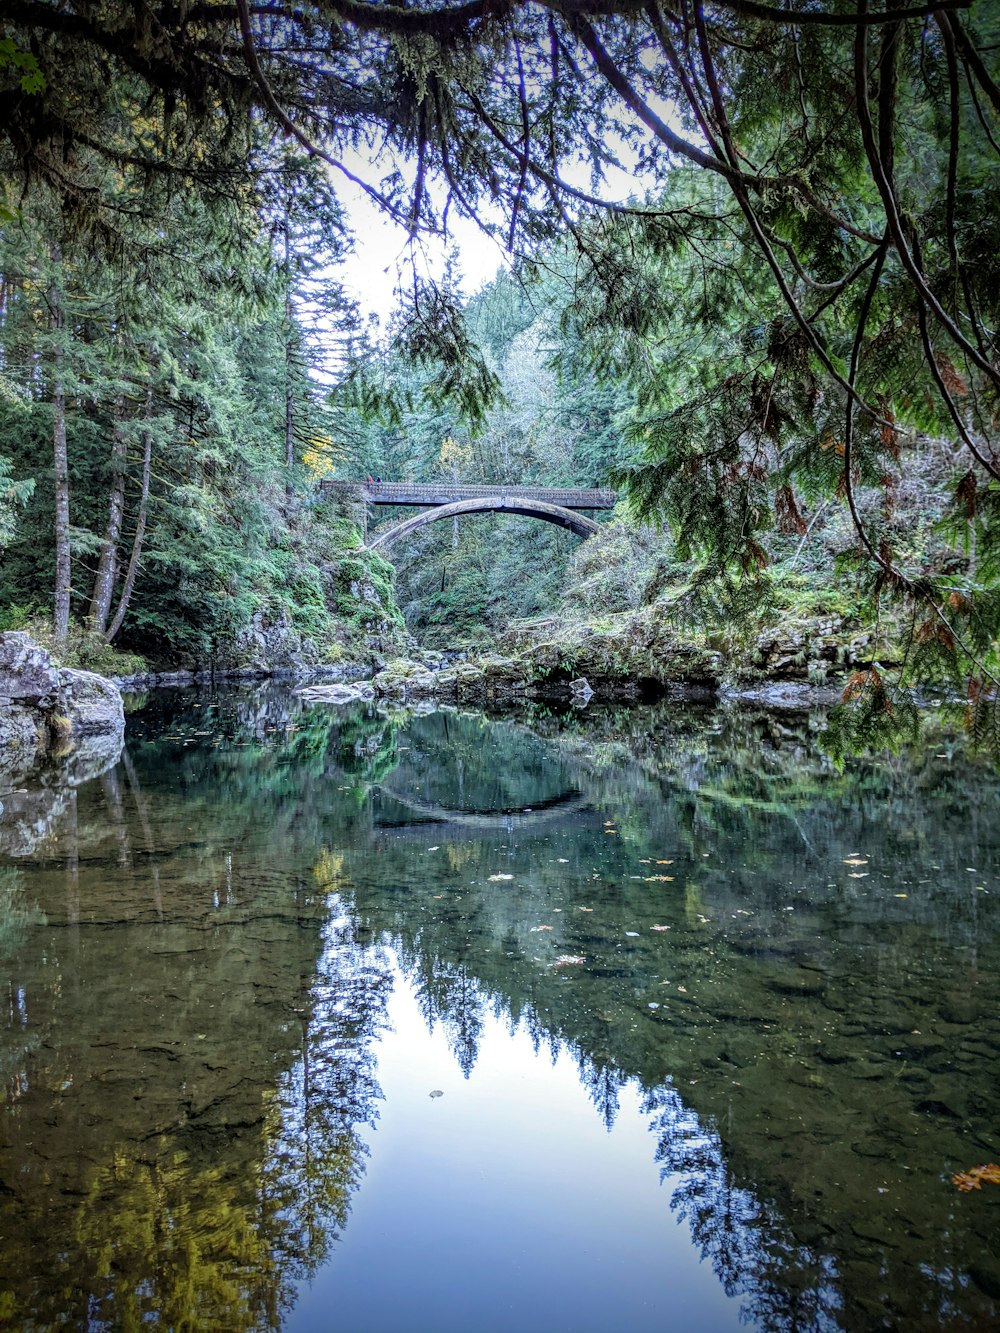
778,342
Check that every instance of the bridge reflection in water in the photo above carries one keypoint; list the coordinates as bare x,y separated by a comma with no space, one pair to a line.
202,946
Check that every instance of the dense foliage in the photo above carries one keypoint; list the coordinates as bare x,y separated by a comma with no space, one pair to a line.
804,303
174,378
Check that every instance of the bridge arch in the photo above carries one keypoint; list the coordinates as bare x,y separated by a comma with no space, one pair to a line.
548,513
553,808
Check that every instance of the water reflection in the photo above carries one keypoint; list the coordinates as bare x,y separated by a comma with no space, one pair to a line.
796,968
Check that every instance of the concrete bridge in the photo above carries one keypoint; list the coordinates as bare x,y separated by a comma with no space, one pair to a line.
551,504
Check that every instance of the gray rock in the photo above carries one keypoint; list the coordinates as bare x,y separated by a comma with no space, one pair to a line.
45,708
26,669
336,694
175,678
581,689
405,680
23,737
92,704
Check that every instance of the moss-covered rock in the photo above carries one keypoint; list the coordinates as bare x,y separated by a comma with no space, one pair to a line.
405,680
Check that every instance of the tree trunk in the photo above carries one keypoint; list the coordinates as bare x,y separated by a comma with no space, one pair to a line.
61,460
107,565
140,523
289,402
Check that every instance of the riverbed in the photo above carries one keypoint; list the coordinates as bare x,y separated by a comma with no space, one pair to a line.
369,1020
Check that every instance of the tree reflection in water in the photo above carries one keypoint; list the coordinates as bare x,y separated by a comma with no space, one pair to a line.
190,1042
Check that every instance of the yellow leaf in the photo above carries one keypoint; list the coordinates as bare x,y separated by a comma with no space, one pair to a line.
973,1179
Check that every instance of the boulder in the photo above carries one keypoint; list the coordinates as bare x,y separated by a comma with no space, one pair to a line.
405,680
92,704
23,737
581,690
26,670
337,694
44,707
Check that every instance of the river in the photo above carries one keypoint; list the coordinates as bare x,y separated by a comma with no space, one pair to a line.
641,1019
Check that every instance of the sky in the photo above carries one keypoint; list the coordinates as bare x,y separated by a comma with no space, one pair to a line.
372,272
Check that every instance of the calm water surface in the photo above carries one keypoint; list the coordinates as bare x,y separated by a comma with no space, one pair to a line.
333,1019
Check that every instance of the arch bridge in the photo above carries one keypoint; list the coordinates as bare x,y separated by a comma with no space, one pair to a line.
552,504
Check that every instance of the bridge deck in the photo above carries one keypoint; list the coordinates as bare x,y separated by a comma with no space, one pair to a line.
430,496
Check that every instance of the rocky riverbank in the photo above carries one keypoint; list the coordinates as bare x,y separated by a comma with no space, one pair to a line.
633,657
46,709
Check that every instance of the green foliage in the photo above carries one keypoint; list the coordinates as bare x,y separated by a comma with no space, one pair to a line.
874,715
82,650
184,372
29,76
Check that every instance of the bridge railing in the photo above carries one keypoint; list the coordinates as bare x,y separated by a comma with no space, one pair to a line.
432,494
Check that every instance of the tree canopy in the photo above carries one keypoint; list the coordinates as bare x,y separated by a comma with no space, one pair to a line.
804,288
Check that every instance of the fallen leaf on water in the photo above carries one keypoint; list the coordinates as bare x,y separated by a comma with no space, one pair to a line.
534,928
568,960
494,878
659,927
973,1180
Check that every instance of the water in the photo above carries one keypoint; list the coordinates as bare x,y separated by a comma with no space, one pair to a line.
324,1019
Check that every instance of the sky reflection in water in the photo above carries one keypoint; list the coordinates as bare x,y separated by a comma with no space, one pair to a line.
242,959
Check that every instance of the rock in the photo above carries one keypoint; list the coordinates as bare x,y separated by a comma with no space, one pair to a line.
460,680
793,982
175,678
23,736
26,669
29,816
336,694
789,695
405,680
43,706
581,689
92,704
